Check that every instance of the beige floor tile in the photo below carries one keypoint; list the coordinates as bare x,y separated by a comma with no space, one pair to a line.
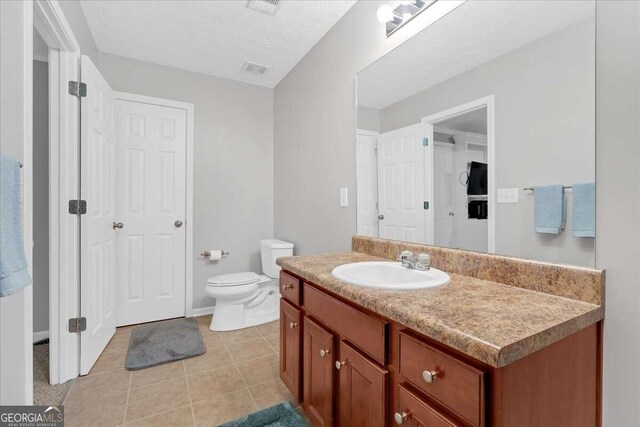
204,320
108,362
181,417
157,374
94,387
156,398
104,412
241,335
260,370
225,407
270,394
210,360
209,384
274,342
212,339
271,328
249,350
118,344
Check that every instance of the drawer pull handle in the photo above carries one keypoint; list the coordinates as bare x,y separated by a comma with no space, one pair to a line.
323,353
429,376
285,287
400,418
293,325
340,364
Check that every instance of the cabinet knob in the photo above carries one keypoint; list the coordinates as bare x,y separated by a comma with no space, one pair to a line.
293,325
323,353
429,376
400,418
340,364
285,287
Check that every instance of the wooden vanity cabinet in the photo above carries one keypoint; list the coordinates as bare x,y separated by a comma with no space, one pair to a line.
351,367
318,366
290,347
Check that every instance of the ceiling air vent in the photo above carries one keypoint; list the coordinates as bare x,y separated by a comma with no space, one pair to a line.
270,7
255,68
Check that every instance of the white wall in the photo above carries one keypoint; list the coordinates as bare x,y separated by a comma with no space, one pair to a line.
315,123
618,204
233,160
40,196
16,323
369,119
544,131
75,17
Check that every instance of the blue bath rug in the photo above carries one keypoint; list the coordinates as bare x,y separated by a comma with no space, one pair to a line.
280,415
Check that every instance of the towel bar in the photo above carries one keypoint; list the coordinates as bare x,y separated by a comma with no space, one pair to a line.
533,189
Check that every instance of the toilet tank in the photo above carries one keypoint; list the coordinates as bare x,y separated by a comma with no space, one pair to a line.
271,250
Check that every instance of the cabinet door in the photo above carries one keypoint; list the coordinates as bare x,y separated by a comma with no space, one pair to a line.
415,412
362,389
318,354
290,347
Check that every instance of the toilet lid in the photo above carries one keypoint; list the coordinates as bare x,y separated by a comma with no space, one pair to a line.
234,279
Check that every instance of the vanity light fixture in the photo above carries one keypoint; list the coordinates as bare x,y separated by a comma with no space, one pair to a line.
403,13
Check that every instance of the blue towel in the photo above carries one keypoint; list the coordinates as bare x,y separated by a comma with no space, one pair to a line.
583,215
13,265
549,209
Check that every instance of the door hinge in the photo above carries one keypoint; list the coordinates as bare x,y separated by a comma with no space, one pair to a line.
425,141
425,205
77,325
78,89
77,207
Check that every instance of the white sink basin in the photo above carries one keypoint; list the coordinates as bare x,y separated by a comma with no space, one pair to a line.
389,275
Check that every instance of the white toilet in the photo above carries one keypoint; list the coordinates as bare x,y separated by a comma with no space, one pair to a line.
247,299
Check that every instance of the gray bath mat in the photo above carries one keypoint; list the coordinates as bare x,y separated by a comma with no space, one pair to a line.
280,415
162,342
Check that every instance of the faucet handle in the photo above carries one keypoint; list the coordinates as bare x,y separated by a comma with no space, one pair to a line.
424,260
405,255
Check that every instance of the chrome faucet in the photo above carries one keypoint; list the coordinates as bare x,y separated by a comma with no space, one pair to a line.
421,262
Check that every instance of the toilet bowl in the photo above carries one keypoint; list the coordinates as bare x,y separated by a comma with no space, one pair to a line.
247,299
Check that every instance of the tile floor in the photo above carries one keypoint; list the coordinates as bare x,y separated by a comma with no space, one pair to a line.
238,374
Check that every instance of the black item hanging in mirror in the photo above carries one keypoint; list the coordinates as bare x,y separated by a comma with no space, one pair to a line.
477,183
477,209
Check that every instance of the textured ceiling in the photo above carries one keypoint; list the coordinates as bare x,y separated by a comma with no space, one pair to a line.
212,37
472,34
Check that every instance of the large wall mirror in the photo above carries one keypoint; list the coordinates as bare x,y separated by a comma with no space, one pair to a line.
478,133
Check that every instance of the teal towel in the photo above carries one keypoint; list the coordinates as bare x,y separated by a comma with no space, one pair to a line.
13,265
583,215
549,209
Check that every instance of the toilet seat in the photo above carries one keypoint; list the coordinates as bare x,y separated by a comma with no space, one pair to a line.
233,279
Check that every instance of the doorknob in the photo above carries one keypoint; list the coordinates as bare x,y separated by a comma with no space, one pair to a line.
452,213
380,217
178,223
117,225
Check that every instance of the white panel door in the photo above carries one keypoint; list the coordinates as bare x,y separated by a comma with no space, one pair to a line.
402,184
443,197
97,289
151,153
367,184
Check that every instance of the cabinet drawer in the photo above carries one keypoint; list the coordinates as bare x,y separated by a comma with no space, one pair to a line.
291,348
290,288
415,412
455,384
366,332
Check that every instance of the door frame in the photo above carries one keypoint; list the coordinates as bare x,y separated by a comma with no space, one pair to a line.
374,134
487,102
64,179
189,108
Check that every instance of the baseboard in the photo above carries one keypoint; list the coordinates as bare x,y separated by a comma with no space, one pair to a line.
203,311
40,335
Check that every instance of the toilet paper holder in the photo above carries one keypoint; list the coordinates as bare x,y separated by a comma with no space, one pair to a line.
207,254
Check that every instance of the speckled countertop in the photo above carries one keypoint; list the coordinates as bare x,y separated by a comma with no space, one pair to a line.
489,321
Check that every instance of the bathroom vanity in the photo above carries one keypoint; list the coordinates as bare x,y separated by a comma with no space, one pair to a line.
507,342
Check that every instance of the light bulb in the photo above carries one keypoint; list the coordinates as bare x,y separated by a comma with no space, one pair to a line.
406,3
385,13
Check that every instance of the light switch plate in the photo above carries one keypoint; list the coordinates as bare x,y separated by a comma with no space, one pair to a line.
507,195
344,197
